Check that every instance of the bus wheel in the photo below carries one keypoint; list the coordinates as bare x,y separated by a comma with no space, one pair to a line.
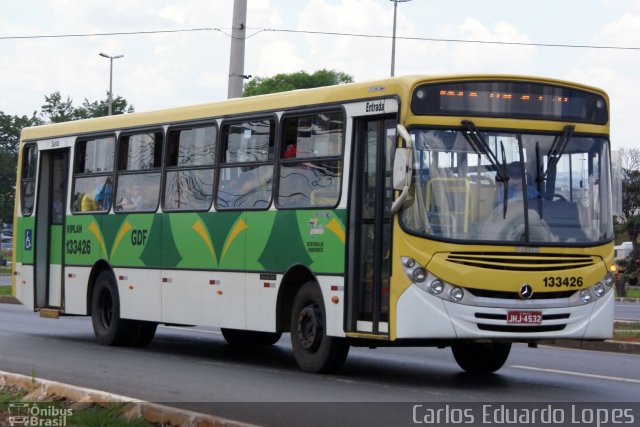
313,350
237,337
483,358
108,327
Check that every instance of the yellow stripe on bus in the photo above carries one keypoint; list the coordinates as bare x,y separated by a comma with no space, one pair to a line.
239,228
200,229
93,227
123,230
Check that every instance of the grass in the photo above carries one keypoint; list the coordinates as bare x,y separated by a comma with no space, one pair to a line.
5,291
633,292
627,331
90,416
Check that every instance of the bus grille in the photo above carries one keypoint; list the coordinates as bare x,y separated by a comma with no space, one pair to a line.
509,261
516,296
520,329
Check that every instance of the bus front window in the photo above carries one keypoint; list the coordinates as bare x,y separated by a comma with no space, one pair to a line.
530,189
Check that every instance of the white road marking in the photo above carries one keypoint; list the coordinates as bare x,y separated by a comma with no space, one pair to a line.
577,374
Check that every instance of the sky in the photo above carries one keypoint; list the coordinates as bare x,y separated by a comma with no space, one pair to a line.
181,68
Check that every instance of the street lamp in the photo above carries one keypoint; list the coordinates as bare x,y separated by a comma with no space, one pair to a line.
111,58
393,43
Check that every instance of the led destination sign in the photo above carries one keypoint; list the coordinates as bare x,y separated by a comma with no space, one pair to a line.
510,100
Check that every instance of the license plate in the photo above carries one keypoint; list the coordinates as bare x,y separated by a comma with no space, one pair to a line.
524,317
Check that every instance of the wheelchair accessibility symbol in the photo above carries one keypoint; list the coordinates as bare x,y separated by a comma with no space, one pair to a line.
28,239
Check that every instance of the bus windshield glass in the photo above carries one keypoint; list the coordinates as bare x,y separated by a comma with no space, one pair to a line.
521,188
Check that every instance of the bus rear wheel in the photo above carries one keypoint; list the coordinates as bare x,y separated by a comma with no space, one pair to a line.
313,350
481,358
240,338
108,327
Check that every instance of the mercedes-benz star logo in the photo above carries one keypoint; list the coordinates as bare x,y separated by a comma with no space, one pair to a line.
526,291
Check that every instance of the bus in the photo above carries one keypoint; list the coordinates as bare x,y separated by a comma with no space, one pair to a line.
467,211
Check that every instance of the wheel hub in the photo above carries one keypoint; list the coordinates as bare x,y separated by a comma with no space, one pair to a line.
310,327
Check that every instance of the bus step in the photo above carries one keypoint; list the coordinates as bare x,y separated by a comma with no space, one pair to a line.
50,313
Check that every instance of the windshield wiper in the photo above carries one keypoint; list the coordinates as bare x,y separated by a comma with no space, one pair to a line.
557,148
480,146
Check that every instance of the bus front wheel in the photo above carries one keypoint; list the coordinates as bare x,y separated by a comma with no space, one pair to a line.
313,350
481,358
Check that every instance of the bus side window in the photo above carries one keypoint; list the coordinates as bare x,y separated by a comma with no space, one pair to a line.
93,175
189,175
245,176
28,178
311,160
138,185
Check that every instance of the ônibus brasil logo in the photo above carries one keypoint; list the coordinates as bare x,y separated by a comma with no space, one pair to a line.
38,414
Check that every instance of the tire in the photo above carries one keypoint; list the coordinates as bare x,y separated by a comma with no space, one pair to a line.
313,350
108,327
482,358
240,338
142,333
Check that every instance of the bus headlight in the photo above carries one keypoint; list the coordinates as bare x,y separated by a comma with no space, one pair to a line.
419,275
456,294
585,296
409,262
436,287
599,289
609,279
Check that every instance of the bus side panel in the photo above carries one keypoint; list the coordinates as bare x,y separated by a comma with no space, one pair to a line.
333,296
280,240
25,286
139,291
206,282
23,236
76,280
210,298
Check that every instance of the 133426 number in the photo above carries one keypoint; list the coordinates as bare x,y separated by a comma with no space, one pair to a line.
563,282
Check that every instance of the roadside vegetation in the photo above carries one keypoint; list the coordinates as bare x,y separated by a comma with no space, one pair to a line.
85,415
626,331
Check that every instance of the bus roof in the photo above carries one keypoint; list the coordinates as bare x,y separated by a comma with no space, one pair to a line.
272,102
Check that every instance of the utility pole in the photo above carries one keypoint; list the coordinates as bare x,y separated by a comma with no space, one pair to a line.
393,42
236,56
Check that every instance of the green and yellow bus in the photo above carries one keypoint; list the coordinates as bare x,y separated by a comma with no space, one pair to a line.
469,212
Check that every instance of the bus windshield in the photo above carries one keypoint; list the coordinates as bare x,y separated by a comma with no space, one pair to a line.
509,187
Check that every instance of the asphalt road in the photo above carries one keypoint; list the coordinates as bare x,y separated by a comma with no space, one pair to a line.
627,311
194,368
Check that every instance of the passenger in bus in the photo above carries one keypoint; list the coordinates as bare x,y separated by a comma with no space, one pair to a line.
103,195
515,184
290,151
87,204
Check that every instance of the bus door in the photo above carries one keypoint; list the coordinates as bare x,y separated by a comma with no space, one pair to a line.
369,264
49,228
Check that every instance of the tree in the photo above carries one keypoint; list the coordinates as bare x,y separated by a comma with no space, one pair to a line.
300,80
56,110
630,181
101,108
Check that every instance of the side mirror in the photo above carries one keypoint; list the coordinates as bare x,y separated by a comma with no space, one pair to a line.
402,168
